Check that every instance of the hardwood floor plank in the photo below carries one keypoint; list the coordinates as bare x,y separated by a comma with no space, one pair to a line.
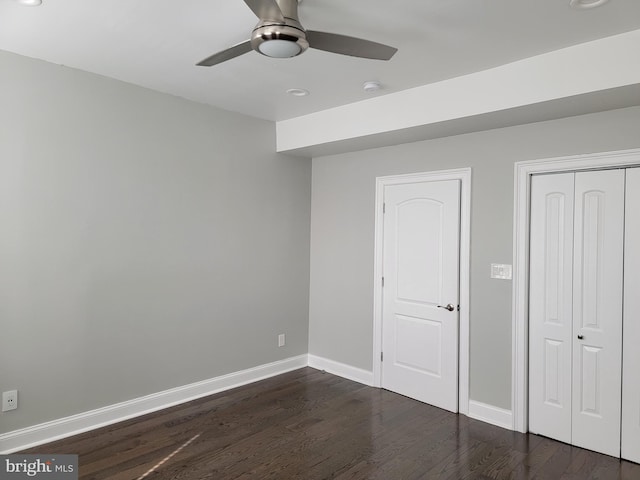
310,425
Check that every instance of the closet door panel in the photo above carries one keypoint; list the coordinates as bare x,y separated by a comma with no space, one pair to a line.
631,342
550,315
597,310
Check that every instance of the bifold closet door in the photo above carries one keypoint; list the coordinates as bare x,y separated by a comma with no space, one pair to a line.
631,355
597,310
575,308
550,306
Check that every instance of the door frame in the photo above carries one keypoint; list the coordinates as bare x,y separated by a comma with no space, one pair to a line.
520,293
464,175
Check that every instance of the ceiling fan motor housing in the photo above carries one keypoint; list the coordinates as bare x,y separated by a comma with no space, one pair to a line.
269,39
277,38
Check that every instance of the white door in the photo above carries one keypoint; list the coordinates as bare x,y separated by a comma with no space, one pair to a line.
575,308
420,294
631,342
550,306
597,310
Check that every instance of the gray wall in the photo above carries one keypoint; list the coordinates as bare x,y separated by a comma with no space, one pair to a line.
342,233
146,242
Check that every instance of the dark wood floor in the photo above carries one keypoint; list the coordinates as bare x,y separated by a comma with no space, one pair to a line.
311,425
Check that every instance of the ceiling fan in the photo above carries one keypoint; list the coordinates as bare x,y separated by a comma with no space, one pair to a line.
280,34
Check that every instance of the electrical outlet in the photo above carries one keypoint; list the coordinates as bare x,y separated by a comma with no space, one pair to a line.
281,340
9,400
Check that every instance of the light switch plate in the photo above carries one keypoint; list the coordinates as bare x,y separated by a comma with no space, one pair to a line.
501,271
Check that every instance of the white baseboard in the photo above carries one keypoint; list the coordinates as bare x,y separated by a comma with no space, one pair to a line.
342,370
83,422
65,427
490,414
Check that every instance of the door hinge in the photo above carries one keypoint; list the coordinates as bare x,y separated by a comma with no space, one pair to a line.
384,208
383,281
381,356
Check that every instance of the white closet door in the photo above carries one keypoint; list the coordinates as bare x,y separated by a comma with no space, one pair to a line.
631,369
550,307
597,310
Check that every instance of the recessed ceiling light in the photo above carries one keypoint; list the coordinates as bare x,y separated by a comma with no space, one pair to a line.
30,3
583,4
371,86
298,92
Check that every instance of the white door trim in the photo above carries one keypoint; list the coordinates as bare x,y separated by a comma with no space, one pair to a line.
464,175
520,318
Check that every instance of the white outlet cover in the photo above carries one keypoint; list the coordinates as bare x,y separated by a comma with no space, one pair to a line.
501,271
9,400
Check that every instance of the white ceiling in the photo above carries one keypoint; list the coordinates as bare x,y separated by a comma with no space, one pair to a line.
156,44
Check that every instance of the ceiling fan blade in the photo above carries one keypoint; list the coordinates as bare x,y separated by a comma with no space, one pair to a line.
344,45
228,54
266,10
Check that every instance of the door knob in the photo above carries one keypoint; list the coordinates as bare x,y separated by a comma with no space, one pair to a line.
449,307
580,337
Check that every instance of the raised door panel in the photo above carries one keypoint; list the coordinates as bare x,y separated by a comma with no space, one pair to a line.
420,265
419,345
550,308
419,251
631,342
597,310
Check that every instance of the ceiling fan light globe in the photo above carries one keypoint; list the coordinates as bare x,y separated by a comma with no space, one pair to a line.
278,48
